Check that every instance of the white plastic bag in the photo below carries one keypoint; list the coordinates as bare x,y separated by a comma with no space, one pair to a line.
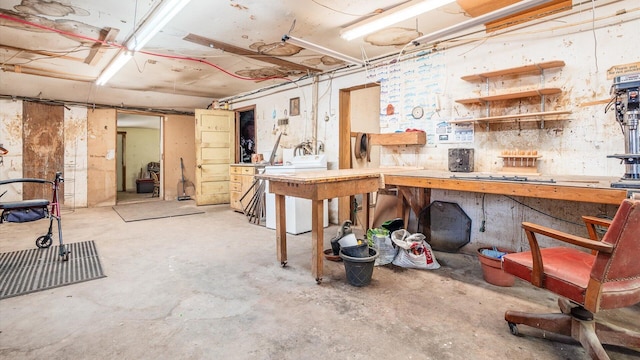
386,251
414,252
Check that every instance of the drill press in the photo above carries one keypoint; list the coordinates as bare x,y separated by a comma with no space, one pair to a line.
625,91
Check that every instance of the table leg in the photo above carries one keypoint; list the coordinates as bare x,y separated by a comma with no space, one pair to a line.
281,230
413,199
317,238
366,202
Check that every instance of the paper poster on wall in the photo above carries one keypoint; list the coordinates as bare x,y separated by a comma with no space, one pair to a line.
409,93
448,133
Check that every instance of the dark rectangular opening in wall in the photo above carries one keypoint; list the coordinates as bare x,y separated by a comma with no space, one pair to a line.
247,135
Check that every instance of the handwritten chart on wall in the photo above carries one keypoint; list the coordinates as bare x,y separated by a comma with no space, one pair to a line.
409,93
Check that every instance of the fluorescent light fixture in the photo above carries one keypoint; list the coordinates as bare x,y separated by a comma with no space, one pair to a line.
160,16
115,66
155,22
392,16
488,17
320,49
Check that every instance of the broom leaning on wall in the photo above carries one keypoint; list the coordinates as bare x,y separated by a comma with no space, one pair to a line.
183,182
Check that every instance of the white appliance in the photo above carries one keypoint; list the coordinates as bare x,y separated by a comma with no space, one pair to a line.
298,211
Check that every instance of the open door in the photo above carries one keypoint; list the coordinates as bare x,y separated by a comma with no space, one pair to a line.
215,150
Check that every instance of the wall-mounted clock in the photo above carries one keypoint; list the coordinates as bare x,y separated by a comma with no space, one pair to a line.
417,112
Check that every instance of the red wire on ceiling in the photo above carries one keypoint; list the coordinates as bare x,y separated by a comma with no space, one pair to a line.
115,45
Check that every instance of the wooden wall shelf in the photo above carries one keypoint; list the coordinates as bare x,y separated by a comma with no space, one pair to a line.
535,116
399,138
541,92
536,69
513,95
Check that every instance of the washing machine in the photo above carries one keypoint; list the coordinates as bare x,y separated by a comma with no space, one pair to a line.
298,211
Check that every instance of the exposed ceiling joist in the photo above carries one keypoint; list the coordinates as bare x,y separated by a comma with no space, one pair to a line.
40,52
477,8
98,49
21,69
248,53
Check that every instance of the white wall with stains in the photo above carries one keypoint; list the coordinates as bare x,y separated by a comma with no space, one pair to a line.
11,139
75,152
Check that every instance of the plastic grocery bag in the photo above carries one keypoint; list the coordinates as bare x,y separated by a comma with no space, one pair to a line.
414,252
381,241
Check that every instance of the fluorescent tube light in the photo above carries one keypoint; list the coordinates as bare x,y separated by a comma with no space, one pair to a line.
155,22
114,67
392,16
488,17
320,49
160,16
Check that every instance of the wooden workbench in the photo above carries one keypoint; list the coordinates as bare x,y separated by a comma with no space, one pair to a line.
318,186
592,189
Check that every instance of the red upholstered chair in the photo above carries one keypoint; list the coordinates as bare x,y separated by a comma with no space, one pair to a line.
608,277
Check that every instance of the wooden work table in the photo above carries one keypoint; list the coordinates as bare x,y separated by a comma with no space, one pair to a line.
592,189
318,186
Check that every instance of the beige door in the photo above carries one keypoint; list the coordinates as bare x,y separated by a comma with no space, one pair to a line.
215,150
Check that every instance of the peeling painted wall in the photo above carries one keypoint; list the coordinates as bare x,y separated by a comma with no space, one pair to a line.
75,152
11,139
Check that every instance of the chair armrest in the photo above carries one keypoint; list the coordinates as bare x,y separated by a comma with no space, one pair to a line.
568,238
591,222
531,230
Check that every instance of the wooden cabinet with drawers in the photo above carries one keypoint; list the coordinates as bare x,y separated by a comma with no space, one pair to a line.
241,180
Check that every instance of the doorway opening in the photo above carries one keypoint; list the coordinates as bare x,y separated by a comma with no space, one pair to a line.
246,128
355,100
138,158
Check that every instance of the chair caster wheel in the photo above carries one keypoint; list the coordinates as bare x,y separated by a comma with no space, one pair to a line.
318,281
283,264
513,328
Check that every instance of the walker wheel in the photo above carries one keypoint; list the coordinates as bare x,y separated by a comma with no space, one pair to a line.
44,241
65,257
513,328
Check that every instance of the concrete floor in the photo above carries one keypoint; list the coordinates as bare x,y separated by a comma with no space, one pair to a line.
208,286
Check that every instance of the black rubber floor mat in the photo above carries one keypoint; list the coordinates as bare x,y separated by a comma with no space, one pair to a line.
27,271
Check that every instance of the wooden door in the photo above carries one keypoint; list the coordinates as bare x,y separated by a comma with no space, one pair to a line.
215,150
